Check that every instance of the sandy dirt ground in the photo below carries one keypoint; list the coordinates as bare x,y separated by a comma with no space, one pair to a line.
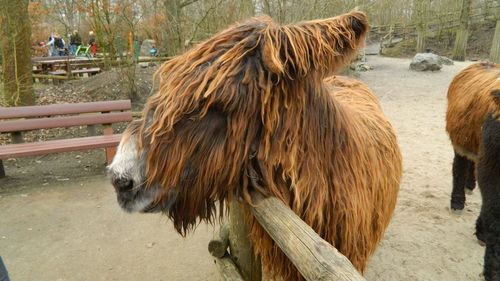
71,228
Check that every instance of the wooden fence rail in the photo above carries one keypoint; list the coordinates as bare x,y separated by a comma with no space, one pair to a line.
315,258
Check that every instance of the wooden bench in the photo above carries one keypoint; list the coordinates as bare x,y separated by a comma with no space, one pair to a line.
88,71
58,75
16,120
58,72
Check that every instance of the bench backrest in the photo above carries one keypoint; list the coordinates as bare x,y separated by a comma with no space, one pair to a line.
28,118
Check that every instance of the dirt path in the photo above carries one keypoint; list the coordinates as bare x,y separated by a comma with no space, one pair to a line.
425,241
74,230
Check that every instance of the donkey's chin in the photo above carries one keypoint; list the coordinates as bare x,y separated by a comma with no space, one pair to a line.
145,200
134,201
162,205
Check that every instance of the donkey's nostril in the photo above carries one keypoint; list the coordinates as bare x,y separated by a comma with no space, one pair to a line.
123,184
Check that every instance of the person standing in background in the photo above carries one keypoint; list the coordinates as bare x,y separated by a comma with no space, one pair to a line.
52,48
92,43
59,45
74,41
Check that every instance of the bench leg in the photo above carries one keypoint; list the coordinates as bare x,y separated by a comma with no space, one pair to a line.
110,151
2,170
110,154
17,137
91,130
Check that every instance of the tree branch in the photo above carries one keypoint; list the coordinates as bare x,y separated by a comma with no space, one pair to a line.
187,3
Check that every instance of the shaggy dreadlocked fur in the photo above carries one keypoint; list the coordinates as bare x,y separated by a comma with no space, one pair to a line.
469,103
248,110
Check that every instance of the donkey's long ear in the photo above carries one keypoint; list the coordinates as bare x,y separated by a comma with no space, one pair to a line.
321,45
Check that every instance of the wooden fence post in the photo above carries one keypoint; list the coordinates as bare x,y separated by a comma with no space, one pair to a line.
240,245
2,170
227,269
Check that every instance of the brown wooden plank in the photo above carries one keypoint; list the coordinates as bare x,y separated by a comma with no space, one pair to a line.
58,59
46,76
54,146
86,70
54,58
66,121
57,72
60,109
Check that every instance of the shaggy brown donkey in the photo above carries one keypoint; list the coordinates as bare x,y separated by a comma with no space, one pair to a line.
469,102
488,174
248,111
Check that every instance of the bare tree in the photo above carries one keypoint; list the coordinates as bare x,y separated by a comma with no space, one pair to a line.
129,14
421,7
15,41
102,20
65,12
495,45
174,24
462,32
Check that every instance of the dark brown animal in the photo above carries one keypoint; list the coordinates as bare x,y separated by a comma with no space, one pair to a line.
472,121
249,111
469,102
488,174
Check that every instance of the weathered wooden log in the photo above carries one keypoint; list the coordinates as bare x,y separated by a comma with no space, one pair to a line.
227,269
240,245
218,246
315,258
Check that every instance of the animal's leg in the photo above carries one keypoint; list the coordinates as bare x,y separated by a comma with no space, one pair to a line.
492,254
460,165
470,177
480,235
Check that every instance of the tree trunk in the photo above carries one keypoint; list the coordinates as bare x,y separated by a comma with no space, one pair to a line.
15,40
495,45
108,35
174,37
420,40
282,11
462,32
421,12
267,7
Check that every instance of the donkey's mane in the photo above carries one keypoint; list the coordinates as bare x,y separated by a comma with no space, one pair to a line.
246,94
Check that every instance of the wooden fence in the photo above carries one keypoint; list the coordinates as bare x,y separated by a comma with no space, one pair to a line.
314,258
435,22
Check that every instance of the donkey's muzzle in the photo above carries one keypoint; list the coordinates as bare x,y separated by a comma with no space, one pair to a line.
122,184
